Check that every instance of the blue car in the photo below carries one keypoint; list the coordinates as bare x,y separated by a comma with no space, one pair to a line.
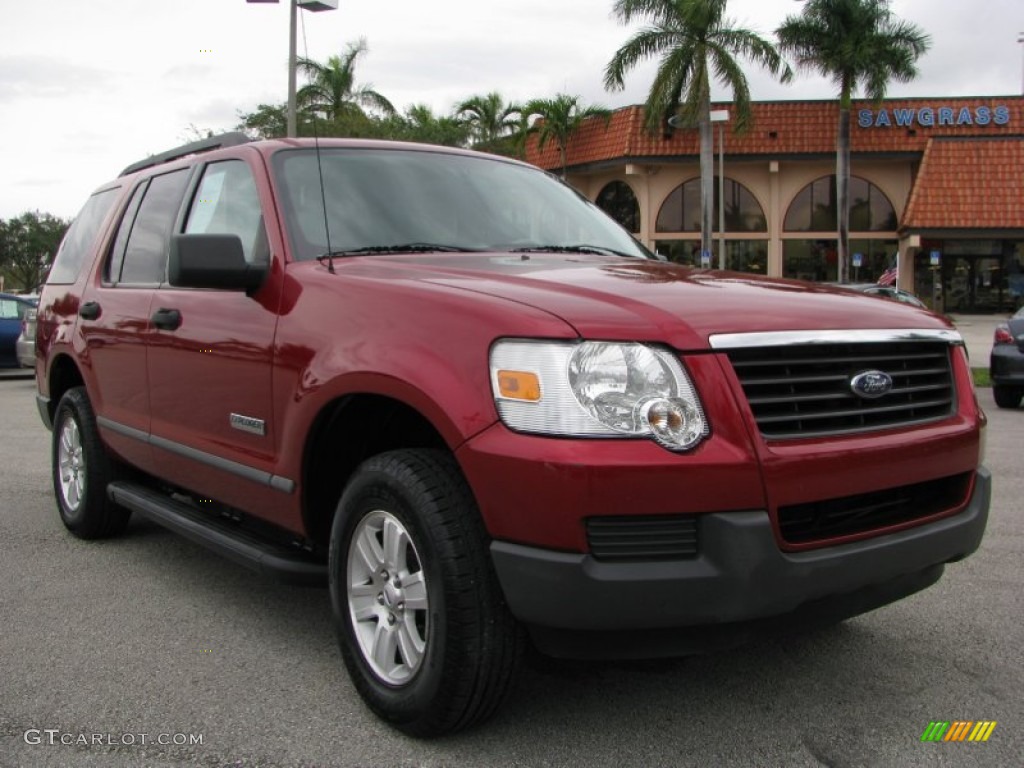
12,311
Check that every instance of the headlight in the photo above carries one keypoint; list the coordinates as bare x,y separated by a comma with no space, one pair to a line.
596,389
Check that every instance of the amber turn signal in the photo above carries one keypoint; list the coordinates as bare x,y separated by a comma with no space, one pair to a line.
519,385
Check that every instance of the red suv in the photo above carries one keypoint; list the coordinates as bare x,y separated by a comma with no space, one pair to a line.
450,387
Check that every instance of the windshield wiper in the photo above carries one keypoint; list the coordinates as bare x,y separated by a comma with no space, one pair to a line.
398,248
598,249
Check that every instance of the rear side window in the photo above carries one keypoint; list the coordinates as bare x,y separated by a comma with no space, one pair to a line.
9,310
81,236
145,233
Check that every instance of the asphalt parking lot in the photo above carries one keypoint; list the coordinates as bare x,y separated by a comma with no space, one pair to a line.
151,635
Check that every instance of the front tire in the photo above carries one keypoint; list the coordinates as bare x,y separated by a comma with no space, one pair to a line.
81,469
1007,397
424,630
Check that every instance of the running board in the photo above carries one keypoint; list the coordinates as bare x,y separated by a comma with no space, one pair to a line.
243,548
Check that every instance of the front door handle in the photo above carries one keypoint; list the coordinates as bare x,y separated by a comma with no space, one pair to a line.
89,311
167,319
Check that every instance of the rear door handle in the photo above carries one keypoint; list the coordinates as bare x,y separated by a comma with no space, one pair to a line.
167,319
89,311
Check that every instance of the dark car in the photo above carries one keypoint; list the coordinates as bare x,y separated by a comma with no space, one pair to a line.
12,311
1006,364
887,292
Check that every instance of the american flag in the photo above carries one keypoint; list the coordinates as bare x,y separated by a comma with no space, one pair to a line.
890,276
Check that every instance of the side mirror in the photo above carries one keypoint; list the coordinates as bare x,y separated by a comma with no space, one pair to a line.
212,261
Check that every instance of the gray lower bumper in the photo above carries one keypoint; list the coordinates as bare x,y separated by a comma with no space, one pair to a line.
740,574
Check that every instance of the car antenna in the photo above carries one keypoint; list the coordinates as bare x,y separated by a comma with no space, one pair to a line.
319,165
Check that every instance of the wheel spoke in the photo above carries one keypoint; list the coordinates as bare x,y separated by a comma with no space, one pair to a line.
369,551
363,590
414,590
71,495
69,438
384,645
364,609
410,644
394,546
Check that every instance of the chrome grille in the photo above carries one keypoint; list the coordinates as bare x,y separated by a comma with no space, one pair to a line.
804,390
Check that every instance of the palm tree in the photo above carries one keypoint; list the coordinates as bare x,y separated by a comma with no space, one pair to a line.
857,44
489,118
421,124
332,87
561,117
696,43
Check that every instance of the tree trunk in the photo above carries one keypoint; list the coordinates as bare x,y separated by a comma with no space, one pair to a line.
843,192
707,181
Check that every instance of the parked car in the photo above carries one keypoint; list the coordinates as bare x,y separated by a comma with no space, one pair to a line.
887,292
25,347
13,309
452,389
1006,363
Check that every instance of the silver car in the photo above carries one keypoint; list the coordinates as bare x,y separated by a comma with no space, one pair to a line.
25,346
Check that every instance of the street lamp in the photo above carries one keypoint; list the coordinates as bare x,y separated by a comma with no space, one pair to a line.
1020,39
721,116
309,5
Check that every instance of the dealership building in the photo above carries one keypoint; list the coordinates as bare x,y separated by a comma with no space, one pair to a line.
938,181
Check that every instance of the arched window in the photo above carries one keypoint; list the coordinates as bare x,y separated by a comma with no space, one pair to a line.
681,210
814,208
619,202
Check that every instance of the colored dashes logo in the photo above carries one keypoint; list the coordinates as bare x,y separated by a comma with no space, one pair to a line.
959,730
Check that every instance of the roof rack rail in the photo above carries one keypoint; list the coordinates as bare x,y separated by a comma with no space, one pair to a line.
232,139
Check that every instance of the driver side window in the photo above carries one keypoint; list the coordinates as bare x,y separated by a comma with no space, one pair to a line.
226,203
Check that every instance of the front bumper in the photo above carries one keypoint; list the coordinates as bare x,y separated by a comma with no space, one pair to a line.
739,575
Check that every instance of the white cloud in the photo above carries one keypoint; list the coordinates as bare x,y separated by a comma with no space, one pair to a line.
88,87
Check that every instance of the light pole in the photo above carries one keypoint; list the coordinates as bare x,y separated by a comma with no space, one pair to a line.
293,13
1020,39
721,116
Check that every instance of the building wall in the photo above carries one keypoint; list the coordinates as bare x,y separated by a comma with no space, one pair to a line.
965,174
774,183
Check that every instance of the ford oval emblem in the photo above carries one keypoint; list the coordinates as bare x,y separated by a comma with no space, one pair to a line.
871,384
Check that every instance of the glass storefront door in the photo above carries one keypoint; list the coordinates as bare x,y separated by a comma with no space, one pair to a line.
982,276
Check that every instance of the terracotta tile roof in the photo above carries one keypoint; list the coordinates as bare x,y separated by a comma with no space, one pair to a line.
786,128
968,184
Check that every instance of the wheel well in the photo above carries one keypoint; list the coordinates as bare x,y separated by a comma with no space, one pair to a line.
347,433
64,375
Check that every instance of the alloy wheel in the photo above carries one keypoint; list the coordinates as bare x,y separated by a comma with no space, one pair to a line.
71,462
387,597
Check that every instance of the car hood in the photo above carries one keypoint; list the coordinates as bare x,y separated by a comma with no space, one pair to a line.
617,298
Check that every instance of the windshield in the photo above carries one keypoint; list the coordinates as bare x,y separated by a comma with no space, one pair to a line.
387,200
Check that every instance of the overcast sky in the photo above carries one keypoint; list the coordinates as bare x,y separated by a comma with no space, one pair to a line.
89,86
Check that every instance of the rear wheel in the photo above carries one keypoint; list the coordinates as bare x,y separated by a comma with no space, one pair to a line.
82,468
1007,397
424,630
